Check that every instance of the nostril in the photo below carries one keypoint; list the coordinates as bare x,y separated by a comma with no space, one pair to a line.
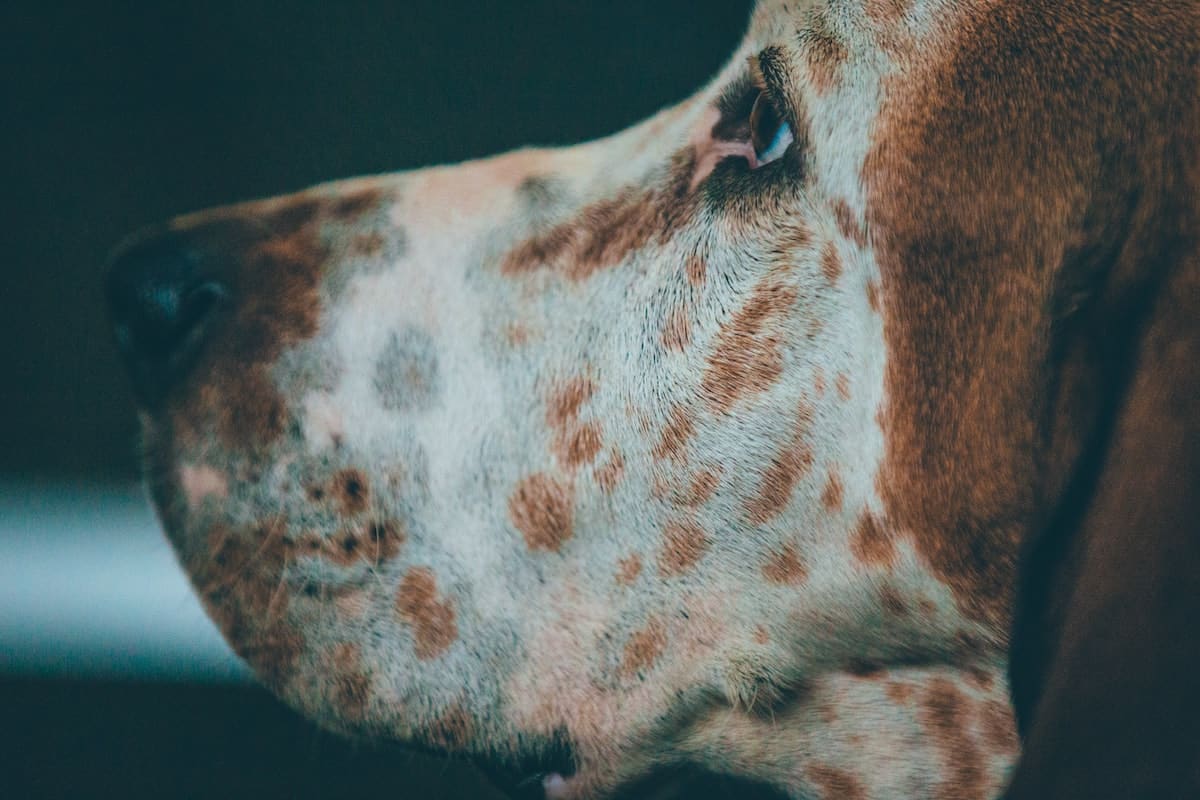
162,300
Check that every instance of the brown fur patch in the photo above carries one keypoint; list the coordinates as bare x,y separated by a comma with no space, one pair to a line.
848,225
433,621
541,508
608,231
374,542
349,207
702,487
892,601
574,444
832,494
747,358
899,693
786,567
452,730
831,263
999,730
279,259
677,330
610,474
870,543
826,57
351,685
351,490
873,295
567,399
761,636
367,245
239,581
697,270
579,445
835,784
643,649
684,543
628,569
680,427
784,472
944,717
842,383
887,12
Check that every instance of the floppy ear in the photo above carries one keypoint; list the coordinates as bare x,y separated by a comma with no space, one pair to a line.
1105,657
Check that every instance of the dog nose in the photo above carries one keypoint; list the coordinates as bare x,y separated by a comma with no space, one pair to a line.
163,300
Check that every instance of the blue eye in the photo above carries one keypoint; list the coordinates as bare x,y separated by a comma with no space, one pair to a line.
770,134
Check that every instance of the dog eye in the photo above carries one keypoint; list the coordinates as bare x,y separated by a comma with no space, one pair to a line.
770,135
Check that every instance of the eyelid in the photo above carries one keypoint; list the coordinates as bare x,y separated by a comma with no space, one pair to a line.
768,73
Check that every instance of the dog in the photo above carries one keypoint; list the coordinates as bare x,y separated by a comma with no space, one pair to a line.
825,429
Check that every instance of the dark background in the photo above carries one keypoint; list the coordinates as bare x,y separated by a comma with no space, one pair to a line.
117,115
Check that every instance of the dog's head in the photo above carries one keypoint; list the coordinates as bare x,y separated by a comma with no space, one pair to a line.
713,441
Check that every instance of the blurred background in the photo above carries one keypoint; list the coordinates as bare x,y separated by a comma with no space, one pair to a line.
115,115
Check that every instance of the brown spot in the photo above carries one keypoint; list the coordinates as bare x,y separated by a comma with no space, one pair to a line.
697,270
566,401
843,385
541,509
761,636
606,232
255,412
871,544
899,693
892,601
831,495
643,649
579,445
819,382
873,295
351,686
677,330
944,716
350,206
831,263
825,55
516,334
981,679
433,621
352,491
702,487
452,730
374,542
574,444
684,543
610,474
367,245
835,784
747,358
784,472
786,567
887,12
998,727
628,569
680,427
847,224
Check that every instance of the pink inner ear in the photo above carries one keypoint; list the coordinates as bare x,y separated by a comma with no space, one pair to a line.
710,151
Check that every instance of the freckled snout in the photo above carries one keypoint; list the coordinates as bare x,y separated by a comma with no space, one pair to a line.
162,297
